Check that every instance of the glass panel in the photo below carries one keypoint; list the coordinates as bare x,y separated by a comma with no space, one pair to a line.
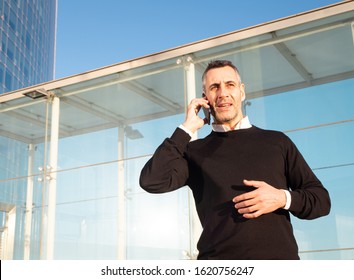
17,191
93,109
86,213
145,103
303,109
158,225
22,166
328,150
290,58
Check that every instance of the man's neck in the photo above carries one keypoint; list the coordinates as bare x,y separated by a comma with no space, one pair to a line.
242,124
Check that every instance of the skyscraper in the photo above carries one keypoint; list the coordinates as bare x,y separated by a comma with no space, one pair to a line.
27,57
27,50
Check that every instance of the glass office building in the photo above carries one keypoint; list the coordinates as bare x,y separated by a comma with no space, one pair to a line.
27,34
75,146
27,57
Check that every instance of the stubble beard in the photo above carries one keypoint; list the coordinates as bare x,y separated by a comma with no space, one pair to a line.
231,118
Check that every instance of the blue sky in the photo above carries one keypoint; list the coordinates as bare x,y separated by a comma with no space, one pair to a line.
93,34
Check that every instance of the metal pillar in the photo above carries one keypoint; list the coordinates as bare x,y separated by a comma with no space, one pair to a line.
29,203
52,176
121,242
195,225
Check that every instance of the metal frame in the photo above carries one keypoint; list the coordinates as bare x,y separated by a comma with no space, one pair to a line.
190,48
112,75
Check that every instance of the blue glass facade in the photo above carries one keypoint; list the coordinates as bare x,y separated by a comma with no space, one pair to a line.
27,33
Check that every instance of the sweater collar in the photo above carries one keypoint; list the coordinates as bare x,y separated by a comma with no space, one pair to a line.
242,124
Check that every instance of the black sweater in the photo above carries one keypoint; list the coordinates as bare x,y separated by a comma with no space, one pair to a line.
214,168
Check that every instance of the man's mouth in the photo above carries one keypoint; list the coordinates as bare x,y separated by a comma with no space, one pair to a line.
224,105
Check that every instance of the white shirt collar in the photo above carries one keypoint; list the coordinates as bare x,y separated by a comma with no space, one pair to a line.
242,124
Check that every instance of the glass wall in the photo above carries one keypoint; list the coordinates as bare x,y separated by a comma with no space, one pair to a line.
299,79
23,158
320,122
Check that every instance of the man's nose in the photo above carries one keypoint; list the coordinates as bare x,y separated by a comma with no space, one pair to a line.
222,92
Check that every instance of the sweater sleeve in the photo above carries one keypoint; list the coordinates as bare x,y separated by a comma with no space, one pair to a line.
309,198
167,170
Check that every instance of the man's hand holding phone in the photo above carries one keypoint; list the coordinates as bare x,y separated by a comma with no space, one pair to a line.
193,122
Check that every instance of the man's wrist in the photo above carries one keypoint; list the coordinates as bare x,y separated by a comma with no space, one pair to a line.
191,134
288,200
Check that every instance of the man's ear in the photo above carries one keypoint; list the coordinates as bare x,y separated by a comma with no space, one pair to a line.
243,94
204,96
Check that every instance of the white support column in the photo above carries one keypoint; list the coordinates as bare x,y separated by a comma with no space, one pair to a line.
29,203
190,83
121,242
52,176
195,225
10,233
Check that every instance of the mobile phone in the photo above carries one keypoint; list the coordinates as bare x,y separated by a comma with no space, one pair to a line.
206,112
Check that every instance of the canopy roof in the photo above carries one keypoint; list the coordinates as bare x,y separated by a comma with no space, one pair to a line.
303,50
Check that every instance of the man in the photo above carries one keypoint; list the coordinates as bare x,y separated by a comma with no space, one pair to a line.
245,180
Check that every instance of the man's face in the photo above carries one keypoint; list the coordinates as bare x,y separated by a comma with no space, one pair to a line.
225,94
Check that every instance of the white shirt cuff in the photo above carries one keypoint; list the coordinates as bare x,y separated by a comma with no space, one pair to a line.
186,130
288,200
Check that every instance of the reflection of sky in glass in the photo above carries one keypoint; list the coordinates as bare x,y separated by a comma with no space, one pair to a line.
311,106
